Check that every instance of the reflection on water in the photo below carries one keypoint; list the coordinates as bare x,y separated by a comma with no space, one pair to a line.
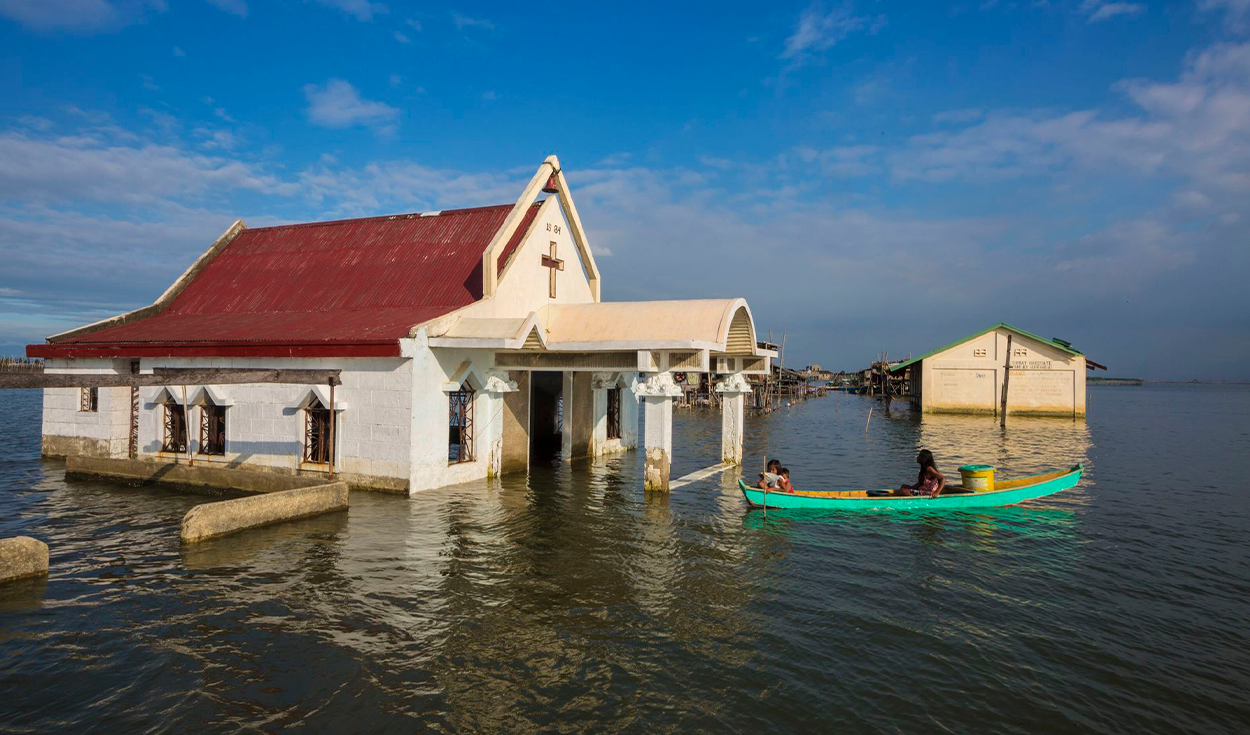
573,601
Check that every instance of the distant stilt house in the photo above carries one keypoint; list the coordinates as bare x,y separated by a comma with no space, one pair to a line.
1045,377
470,343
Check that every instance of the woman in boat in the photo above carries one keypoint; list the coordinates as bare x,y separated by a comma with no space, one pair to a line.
769,478
930,482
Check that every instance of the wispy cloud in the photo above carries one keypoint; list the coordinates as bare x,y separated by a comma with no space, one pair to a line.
337,104
234,7
1101,10
79,16
1236,12
959,116
462,22
402,37
363,10
818,30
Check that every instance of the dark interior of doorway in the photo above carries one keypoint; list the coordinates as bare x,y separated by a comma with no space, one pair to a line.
546,416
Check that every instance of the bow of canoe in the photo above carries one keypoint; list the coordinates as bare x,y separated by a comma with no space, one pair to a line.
1008,492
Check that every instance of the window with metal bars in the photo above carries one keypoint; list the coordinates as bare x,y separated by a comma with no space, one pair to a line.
175,439
614,412
317,447
88,400
460,425
212,429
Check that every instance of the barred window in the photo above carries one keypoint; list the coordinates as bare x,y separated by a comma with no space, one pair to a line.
614,412
175,439
317,447
212,429
89,400
460,425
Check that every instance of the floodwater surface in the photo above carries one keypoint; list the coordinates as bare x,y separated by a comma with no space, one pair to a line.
573,602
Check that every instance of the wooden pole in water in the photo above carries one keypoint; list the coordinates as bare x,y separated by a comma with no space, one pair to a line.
333,421
869,421
1002,416
186,427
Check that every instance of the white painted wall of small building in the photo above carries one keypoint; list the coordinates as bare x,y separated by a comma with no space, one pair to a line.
429,449
263,424
110,423
1044,380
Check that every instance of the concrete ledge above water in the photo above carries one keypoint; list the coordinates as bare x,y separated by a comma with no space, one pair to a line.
209,475
22,557
213,520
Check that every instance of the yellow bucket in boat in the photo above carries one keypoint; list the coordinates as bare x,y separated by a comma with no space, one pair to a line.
977,477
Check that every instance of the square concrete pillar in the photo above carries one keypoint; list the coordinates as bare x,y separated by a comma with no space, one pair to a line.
657,393
733,402
498,387
579,415
516,425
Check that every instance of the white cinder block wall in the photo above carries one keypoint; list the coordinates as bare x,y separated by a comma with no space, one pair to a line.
108,428
265,426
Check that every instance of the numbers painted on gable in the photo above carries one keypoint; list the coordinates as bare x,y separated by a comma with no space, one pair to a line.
554,228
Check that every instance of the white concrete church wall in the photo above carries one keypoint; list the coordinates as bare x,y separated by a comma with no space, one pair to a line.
432,370
265,426
104,432
524,285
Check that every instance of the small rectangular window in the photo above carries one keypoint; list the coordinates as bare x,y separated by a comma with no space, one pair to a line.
614,413
460,425
1022,352
88,400
978,352
317,448
213,430
175,439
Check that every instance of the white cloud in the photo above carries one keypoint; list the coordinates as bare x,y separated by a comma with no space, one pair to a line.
463,21
401,37
337,104
817,30
1197,127
959,116
359,9
1236,12
234,7
149,83
78,16
88,168
1100,10
413,23
179,52
490,95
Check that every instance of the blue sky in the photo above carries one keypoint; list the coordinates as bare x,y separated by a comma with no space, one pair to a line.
873,176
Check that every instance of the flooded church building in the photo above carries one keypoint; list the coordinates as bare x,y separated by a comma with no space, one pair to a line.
462,344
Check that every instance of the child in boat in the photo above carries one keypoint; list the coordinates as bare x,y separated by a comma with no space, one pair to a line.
930,482
769,478
784,483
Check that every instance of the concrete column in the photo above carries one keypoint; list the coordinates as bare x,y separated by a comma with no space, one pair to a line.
657,394
498,387
733,400
516,425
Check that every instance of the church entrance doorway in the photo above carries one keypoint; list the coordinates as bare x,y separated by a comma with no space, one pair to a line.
546,416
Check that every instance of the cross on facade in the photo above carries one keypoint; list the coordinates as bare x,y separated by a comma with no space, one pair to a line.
555,264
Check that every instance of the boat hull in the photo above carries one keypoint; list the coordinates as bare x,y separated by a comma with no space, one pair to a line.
1010,493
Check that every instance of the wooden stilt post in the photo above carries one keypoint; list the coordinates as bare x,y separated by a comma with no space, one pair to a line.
334,420
186,427
1002,416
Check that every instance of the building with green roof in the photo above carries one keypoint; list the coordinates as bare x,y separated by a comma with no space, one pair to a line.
1045,377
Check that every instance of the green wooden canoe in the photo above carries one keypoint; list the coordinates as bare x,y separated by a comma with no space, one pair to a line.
1007,492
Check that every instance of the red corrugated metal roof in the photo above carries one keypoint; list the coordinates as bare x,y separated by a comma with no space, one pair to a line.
349,282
